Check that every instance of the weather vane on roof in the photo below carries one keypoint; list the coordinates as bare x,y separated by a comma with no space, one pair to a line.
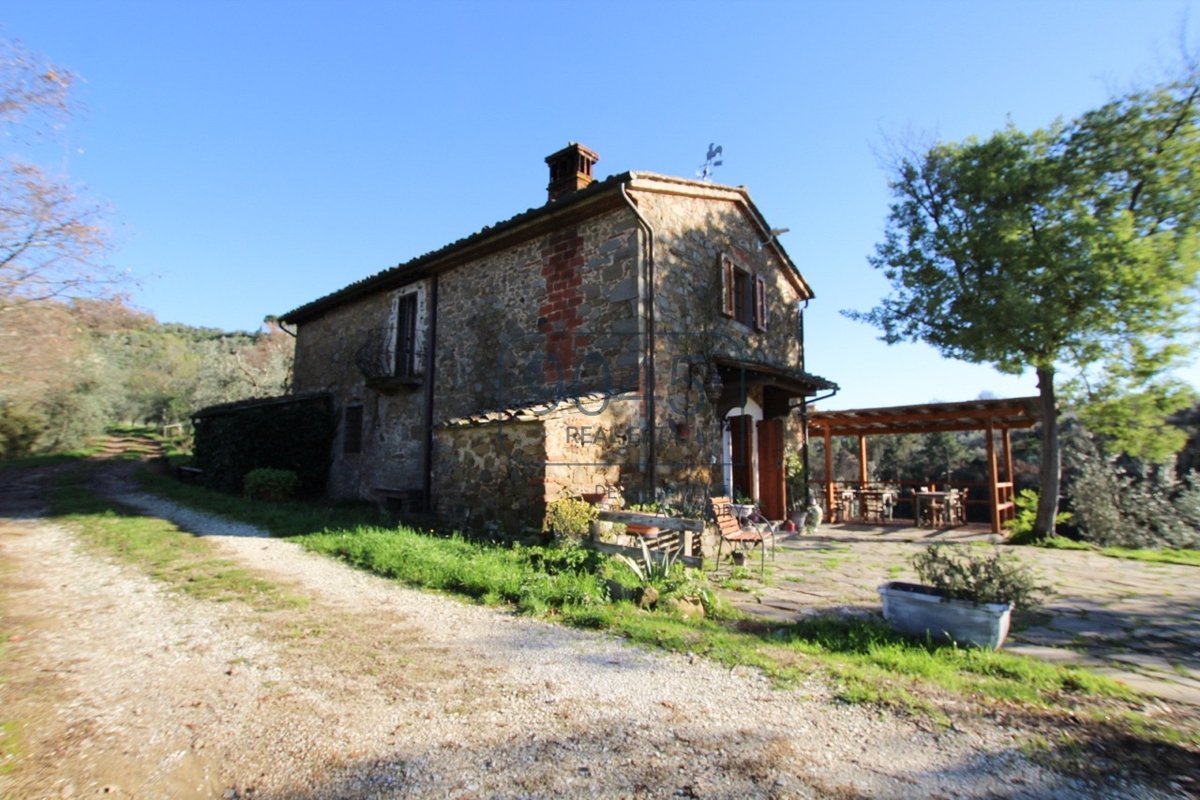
711,162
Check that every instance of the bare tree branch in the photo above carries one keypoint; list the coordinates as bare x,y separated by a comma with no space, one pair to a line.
52,243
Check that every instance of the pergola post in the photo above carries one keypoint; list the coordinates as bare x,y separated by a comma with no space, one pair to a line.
993,479
829,473
862,462
1008,459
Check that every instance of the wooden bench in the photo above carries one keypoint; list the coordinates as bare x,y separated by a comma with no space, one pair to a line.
686,528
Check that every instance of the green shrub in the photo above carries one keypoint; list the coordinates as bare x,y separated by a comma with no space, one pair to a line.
1123,503
963,572
1020,527
19,430
570,519
72,417
270,484
669,577
569,557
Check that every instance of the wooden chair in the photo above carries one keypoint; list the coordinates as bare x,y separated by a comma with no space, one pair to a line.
930,507
732,531
957,506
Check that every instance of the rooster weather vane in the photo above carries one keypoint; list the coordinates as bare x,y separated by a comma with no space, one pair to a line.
711,162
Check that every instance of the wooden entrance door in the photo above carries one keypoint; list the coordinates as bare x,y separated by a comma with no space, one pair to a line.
771,485
741,455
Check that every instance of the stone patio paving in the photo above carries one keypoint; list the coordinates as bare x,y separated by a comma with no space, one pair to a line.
1136,621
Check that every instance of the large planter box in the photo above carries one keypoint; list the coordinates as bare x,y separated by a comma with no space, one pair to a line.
922,611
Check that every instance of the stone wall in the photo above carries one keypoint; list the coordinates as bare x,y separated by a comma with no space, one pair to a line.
596,446
692,233
552,317
393,424
490,475
555,316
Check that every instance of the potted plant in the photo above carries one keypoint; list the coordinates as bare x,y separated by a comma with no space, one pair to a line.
813,517
796,480
967,595
639,529
665,583
569,519
742,506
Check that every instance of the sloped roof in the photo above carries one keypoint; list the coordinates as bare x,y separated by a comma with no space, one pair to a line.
759,373
259,402
580,202
533,411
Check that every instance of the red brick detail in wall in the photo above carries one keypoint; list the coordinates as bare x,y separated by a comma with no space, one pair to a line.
559,316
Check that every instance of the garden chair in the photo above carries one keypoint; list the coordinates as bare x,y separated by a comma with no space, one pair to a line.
759,532
957,506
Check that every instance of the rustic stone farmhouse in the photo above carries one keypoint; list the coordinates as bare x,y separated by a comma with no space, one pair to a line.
639,335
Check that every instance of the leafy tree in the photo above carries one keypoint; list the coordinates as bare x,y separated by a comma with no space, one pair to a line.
51,243
1131,408
1063,246
941,453
897,455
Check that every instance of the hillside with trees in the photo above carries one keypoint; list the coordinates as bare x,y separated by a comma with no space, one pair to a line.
69,369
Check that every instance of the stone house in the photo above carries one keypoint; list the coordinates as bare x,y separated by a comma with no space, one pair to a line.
640,334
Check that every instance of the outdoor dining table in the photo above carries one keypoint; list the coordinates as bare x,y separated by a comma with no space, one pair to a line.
926,498
874,502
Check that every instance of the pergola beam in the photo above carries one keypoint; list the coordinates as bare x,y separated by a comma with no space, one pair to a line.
878,429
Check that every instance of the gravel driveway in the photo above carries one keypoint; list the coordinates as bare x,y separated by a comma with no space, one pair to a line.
125,688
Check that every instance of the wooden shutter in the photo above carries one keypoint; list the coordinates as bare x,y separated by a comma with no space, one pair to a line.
760,303
727,287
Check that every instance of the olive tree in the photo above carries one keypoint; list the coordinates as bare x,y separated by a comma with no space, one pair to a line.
1061,247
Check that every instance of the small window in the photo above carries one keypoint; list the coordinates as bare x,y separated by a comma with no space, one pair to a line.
352,434
743,296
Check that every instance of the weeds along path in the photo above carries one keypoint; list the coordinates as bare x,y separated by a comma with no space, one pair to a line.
352,686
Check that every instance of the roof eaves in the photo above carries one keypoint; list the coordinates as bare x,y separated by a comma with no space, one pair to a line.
531,411
258,402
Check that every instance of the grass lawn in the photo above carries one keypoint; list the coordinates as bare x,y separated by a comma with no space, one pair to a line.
1164,555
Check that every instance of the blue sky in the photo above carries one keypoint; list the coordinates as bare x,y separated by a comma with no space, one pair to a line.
256,155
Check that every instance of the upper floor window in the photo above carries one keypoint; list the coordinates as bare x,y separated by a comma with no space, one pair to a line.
744,296
405,348
394,354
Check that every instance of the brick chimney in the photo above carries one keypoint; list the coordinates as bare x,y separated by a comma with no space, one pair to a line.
570,170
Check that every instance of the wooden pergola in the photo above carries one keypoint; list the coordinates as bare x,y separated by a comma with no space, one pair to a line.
990,416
